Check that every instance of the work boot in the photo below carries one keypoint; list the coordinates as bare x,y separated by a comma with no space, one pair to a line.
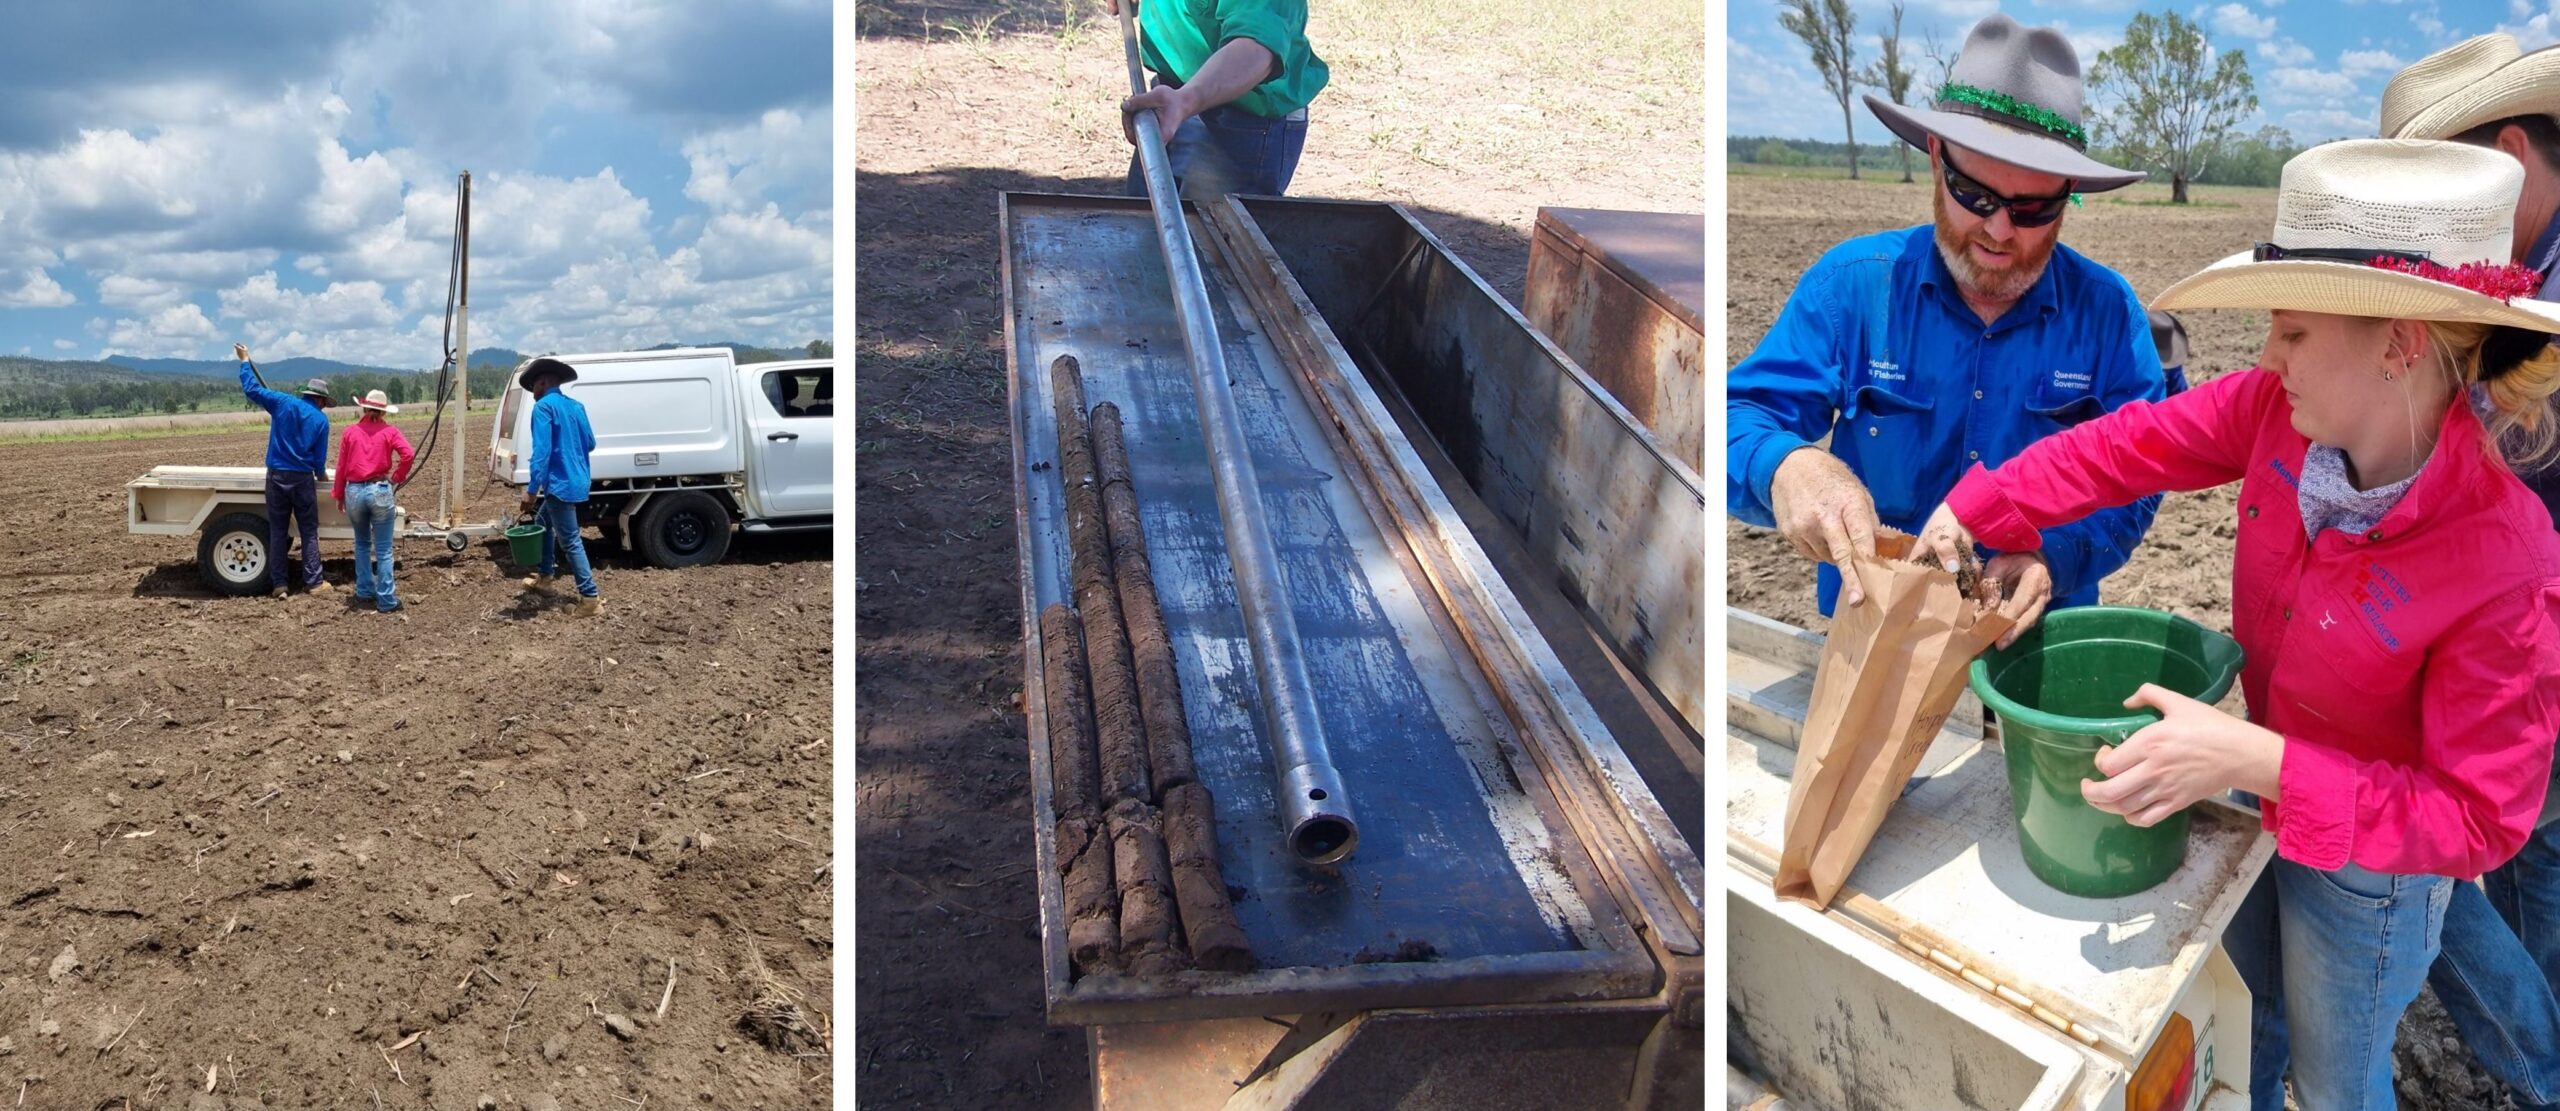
321,587
279,592
536,581
590,606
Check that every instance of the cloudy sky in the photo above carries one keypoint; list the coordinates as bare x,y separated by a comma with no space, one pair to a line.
2319,65
281,172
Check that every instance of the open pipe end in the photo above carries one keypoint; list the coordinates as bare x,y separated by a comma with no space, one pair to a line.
1324,839
1317,815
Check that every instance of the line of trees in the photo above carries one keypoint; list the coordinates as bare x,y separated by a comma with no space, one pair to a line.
49,398
2256,159
2162,100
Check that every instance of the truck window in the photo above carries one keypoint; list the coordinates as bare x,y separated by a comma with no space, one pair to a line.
800,393
507,411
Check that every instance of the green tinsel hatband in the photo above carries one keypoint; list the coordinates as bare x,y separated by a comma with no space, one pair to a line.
2012,107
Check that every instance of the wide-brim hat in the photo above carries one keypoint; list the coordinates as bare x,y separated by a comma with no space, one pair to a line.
546,368
2170,337
2402,229
378,401
2014,96
2477,81
319,388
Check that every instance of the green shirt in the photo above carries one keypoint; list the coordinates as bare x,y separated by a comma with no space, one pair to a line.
1179,35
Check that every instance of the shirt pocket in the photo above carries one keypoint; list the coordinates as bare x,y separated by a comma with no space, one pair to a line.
1889,427
2059,405
2362,658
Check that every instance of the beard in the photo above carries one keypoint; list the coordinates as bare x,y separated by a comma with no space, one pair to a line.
2027,257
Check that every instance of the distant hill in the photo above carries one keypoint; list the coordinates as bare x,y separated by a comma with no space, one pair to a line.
20,370
300,366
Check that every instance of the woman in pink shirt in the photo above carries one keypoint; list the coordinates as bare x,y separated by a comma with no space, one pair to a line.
373,460
2396,588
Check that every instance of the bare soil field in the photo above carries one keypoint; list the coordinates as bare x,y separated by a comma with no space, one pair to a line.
306,855
1778,226
1471,114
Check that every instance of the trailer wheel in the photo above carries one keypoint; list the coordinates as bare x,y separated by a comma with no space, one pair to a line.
686,529
232,557
456,542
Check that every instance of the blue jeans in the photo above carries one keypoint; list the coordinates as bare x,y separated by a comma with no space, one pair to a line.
560,534
372,510
2331,960
2501,957
1229,150
293,498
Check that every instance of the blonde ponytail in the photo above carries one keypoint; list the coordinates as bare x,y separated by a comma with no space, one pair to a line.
2522,423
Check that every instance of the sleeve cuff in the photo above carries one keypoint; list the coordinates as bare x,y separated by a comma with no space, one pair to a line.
1986,510
2315,818
1761,466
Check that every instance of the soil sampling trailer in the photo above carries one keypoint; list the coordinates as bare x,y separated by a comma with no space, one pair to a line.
1495,575
1945,975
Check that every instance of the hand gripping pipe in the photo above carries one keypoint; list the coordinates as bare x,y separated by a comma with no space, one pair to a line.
1314,809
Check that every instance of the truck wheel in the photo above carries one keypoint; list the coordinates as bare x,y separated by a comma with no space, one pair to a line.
686,529
232,557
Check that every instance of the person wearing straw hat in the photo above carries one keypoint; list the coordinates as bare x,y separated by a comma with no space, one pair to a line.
557,478
2501,946
1921,350
373,460
1232,83
297,451
2396,588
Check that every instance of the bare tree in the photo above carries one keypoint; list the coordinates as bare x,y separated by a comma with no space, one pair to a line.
2167,101
1938,54
1892,77
1825,27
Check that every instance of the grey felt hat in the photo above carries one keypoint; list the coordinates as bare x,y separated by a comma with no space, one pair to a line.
2014,96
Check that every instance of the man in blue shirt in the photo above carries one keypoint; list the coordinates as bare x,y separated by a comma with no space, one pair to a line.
297,452
2499,957
1925,351
556,475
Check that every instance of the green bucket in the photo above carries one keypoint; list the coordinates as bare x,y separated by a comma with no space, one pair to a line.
524,543
2059,693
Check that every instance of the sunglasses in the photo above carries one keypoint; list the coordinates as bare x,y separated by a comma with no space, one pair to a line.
1979,199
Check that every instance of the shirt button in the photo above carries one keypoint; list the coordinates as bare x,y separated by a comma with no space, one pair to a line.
1973,455
2288,613
2253,512
1977,395
1871,430
2374,535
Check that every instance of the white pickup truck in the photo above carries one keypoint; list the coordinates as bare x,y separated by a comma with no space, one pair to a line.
690,443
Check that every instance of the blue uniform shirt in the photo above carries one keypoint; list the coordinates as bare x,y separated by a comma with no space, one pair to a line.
1877,348
562,439
297,434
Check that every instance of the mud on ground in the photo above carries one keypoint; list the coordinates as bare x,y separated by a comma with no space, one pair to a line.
1777,227
267,842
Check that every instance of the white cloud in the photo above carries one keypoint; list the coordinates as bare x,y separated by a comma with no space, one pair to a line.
2366,63
124,291
737,246
2532,29
2312,86
64,345
269,310
2317,125
784,155
2285,52
2238,21
176,332
38,291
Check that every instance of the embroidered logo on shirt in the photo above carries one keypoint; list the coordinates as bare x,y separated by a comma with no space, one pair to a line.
2378,592
1886,371
2074,379
2291,480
